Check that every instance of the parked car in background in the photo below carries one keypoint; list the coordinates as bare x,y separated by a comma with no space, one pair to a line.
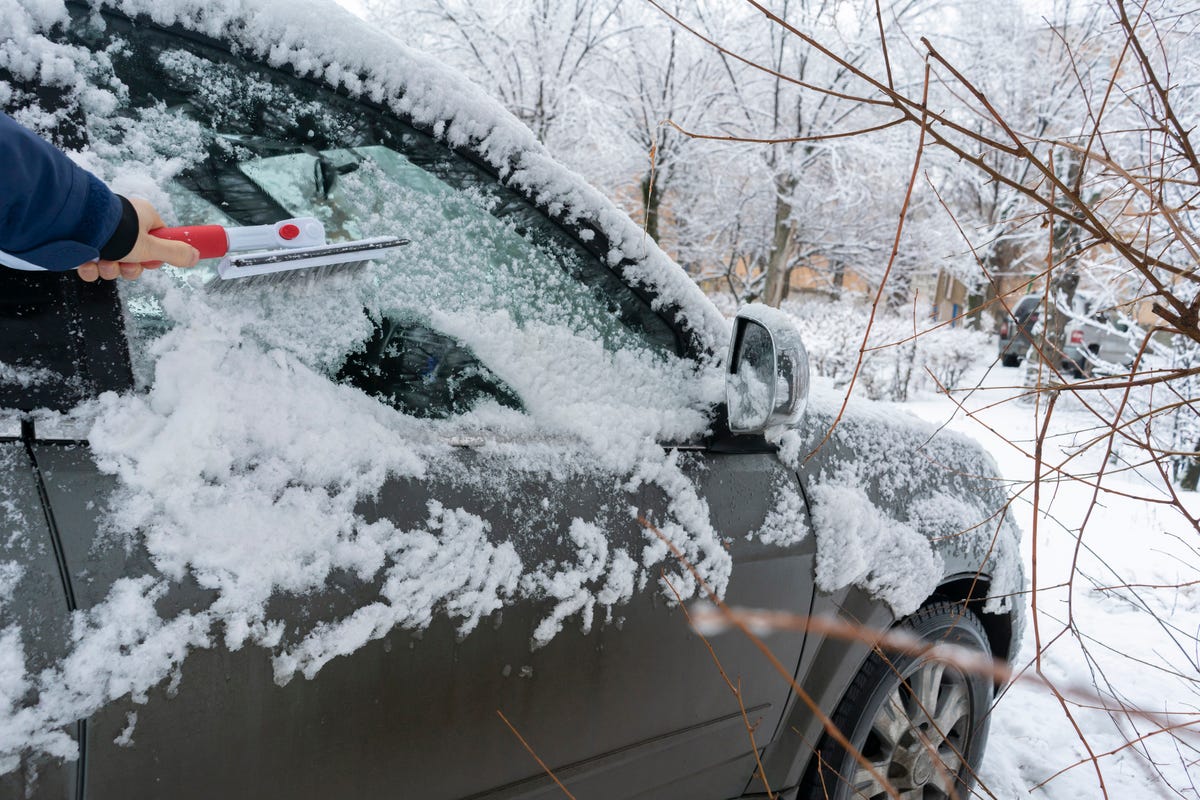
1091,336
1016,327
382,533
1097,340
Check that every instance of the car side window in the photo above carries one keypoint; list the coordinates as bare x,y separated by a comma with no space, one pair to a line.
261,146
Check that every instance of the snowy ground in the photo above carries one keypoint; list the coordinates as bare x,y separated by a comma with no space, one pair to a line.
1133,640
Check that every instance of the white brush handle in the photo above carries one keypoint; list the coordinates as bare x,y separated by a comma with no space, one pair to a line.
287,234
214,241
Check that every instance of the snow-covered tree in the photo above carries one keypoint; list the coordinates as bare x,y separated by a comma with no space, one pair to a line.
533,54
655,74
817,201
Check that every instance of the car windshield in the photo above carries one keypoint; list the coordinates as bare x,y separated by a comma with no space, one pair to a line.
1027,304
259,147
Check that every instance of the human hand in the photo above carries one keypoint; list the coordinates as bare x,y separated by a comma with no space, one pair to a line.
149,252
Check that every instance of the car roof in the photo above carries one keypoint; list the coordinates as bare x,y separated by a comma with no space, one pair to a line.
322,41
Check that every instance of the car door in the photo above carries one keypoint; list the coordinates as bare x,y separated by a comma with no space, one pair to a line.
1115,344
504,345
630,706
51,327
34,627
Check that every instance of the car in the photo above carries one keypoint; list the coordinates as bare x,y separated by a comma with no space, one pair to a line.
435,526
1015,329
1092,337
1097,340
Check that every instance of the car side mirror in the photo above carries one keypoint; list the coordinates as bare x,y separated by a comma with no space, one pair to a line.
766,373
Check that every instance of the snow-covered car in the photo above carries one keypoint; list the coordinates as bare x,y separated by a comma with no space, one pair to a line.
394,531
1091,337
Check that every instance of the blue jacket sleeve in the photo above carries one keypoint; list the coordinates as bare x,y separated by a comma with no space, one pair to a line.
53,214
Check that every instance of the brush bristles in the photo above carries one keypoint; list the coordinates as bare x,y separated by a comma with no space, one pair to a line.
288,276
303,264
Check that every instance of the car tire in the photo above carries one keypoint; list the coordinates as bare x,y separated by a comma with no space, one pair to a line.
881,717
1010,360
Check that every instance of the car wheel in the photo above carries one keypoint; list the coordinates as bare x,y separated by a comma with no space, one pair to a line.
1010,360
1079,369
921,722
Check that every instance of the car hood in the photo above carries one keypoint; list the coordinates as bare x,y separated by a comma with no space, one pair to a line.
899,505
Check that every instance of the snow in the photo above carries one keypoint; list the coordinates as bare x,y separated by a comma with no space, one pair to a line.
231,475
24,376
125,737
326,42
859,544
13,685
243,466
886,487
1135,643
785,523
568,584
11,573
450,565
119,647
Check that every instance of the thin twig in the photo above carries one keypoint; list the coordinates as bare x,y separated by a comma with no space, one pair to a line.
536,757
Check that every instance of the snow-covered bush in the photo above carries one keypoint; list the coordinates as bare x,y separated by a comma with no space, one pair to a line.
899,358
832,334
949,352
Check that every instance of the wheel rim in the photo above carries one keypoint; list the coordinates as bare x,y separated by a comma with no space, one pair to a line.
919,737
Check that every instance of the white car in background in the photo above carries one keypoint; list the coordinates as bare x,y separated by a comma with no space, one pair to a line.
1098,340
1094,337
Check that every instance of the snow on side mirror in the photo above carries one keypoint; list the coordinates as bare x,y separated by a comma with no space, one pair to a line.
766,380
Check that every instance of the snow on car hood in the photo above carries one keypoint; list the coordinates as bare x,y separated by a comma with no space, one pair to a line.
898,504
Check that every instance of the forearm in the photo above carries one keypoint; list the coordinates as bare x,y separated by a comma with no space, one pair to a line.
54,214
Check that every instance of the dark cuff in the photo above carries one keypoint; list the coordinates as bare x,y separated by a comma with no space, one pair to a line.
121,243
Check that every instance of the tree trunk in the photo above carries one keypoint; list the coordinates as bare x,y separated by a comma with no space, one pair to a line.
779,271
982,296
839,279
1062,292
1066,237
899,291
652,190
1191,472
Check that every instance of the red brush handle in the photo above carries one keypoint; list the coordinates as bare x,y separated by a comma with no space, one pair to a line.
210,240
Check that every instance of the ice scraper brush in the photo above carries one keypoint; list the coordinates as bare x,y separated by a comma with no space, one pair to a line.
264,250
